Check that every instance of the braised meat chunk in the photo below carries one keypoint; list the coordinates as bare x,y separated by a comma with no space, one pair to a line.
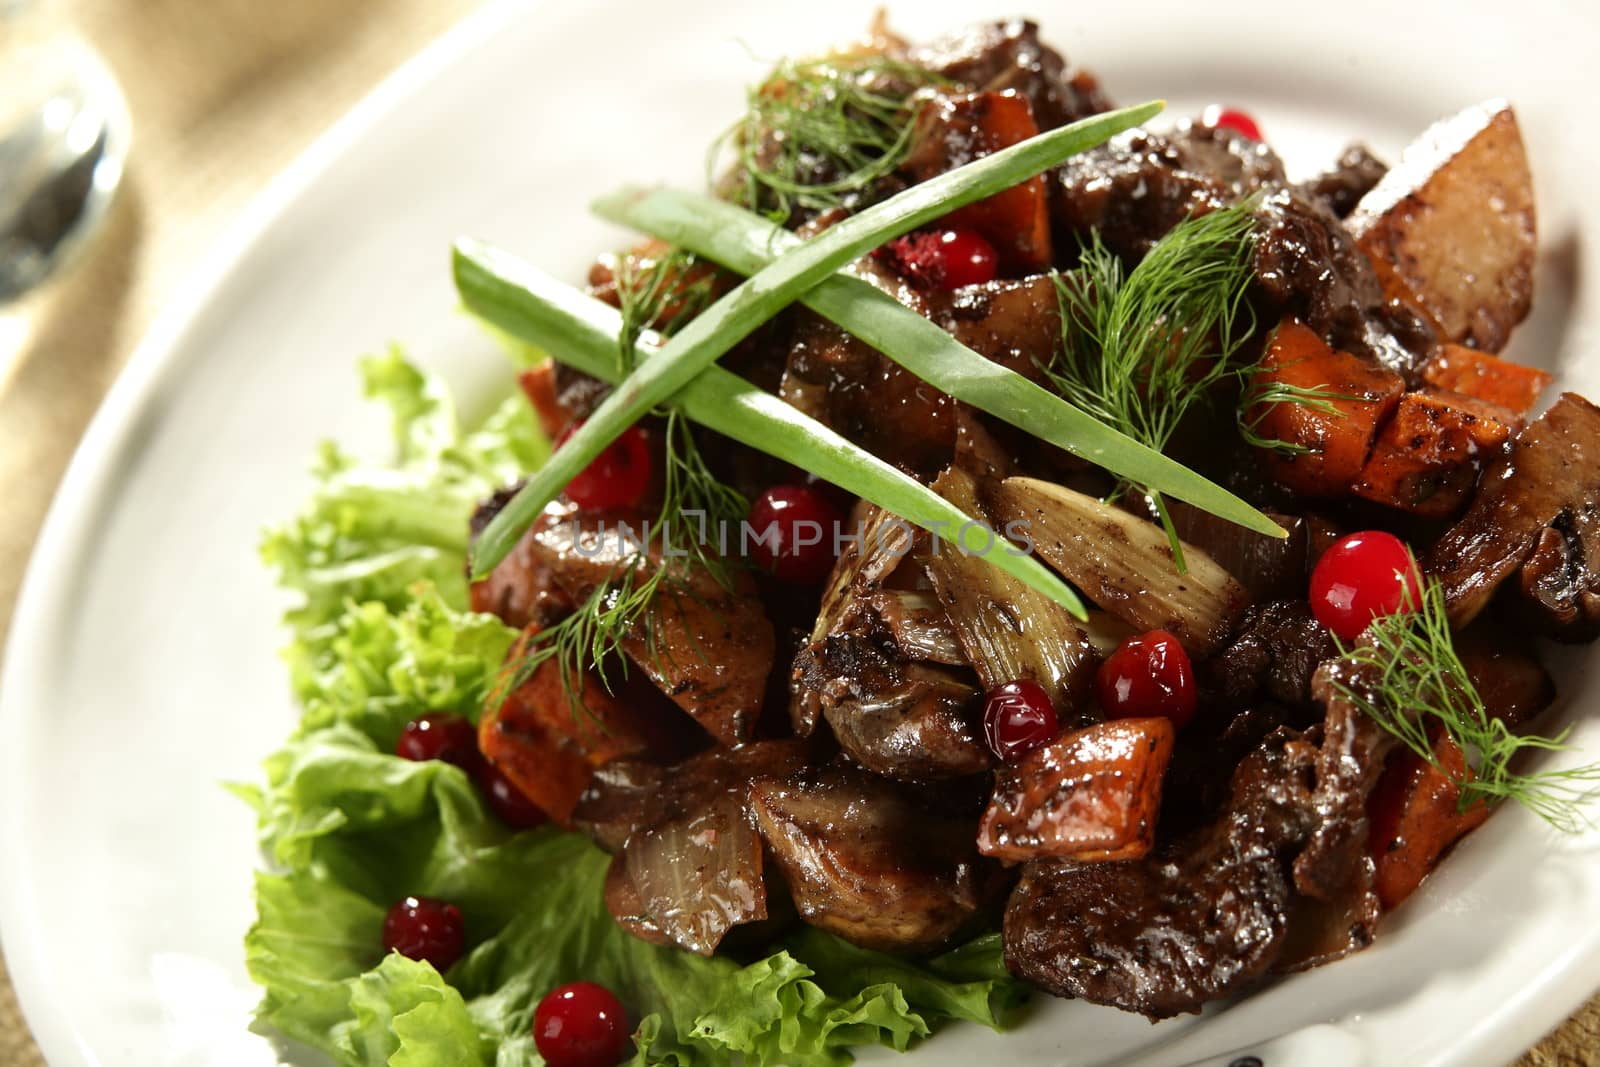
1536,522
869,863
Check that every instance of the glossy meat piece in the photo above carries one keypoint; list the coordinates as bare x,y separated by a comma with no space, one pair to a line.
1007,55
866,862
924,726
1091,795
708,648
1272,655
1536,520
952,131
892,709
1015,323
1351,178
851,387
1195,920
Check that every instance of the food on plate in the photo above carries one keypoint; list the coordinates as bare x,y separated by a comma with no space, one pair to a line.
998,541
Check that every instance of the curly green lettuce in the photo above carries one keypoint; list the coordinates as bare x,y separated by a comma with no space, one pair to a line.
382,635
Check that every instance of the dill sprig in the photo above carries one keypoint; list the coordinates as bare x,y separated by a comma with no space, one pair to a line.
818,133
1142,347
1260,393
1411,679
662,295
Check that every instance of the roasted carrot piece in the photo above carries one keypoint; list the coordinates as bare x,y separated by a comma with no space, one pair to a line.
955,130
1485,377
1091,795
549,750
1361,392
1426,459
1414,815
539,386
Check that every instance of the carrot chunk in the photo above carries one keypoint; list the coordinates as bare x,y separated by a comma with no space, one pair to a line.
1485,377
1337,442
1426,460
549,750
955,130
1090,795
1414,815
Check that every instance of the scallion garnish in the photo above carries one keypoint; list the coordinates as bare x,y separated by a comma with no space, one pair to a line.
582,332
745,243
732,318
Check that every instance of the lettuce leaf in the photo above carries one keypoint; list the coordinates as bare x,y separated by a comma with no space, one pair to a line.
381,636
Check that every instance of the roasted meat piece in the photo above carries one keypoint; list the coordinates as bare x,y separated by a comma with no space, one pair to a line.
1007,55
871,863
1279,880
1535,519
1352,177
1273,654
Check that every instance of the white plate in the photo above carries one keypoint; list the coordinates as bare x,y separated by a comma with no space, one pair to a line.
142,667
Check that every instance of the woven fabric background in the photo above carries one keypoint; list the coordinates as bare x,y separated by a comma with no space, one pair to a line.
224,93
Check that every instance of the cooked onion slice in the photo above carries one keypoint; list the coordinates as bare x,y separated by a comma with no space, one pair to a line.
698,876
1009,631
1124,564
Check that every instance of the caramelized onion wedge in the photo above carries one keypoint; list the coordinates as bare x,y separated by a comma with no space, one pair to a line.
1091,795
1009,631
1123,563
699,876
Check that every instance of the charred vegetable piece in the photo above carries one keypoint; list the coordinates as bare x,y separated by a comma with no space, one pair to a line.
623,902
1270,568
1484,377
1451,227
699,875
1123,563
1415,815
707,647
865,861
1536,516
1425,460
954,130
1009,631
917,625
548,749
1091,795
1327,448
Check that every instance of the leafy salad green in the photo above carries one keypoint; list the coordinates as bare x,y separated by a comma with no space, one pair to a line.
381,634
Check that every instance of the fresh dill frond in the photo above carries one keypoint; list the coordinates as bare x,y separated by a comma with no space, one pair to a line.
1140,348
1260,393
1412,680
663,294
819,132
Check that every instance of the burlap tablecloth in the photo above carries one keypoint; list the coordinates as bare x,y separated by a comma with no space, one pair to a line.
224,93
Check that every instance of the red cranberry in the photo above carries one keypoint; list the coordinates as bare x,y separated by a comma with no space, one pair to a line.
794,528
581,1025
1360,577
1148,676
421,928
943,259
508,802
1227,118
442,736
1018,717
617,477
